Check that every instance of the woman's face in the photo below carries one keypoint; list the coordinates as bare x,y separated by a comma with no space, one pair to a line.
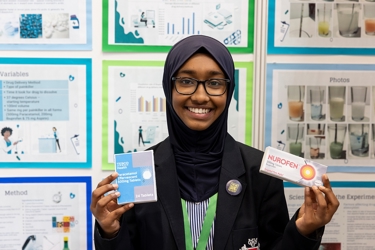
199,110
6,134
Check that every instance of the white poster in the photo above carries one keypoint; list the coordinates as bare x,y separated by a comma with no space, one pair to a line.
45,213
323,112
167,22
59,24
352,226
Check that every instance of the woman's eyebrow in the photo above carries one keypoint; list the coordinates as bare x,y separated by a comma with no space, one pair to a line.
192,72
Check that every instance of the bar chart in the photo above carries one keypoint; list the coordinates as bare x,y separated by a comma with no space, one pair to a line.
156,104
183,25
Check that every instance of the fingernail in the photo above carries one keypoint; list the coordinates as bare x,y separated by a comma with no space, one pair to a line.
131,205
117,194
115,186
114,174
315,187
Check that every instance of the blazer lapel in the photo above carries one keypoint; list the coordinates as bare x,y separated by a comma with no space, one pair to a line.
169,192
228,205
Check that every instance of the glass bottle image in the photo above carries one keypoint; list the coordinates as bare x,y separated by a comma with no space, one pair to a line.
348,19
337,138
295,137
66,246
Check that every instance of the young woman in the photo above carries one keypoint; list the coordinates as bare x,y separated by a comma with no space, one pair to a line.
210,192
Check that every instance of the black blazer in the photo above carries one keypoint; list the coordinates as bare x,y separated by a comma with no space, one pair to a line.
258,212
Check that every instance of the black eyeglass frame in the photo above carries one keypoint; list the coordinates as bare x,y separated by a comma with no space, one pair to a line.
201,82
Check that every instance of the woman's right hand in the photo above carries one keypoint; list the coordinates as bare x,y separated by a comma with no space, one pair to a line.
105,208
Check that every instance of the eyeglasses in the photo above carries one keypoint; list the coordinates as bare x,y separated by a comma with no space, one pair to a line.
188,86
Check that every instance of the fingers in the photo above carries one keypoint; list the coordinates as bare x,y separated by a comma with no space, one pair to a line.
110,223
331,199
310,196
103,187
103,202
326,182
98,193
301,211
321,205
327,201
108,179
122,209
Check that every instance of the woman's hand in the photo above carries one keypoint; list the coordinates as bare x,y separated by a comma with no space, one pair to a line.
105,209
318,209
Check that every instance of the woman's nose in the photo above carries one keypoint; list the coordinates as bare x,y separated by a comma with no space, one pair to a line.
200,95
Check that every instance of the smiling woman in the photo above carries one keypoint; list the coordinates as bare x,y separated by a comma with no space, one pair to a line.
210,192
199,109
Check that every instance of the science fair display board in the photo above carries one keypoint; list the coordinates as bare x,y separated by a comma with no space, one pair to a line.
352,226
144,26
45,25
323,112
321,27
45,212
45,113
134,113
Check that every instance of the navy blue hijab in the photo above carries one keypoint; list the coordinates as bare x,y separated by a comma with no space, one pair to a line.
197,154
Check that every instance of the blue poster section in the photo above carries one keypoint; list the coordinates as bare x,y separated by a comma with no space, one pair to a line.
46,102
271,101
328,50
69,179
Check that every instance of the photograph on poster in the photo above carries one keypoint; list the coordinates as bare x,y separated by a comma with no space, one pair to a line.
323,112
130,25
45,25
352,226
45,213
321,27
136,120
43,117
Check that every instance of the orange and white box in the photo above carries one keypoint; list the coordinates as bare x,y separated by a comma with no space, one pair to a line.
292,168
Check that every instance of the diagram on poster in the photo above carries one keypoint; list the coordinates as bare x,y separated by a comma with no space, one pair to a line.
43,117
163,23
30,24
45,213
136,114
321,24
323,112
352,226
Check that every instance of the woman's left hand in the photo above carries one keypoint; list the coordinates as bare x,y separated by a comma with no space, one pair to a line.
318,209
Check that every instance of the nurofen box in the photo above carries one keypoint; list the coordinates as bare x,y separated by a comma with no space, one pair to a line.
292,168
136,177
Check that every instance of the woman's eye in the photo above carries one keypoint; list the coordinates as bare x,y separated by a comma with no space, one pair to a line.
215,83
186,81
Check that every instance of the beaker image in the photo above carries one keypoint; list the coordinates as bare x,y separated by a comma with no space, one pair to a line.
359,139
302,20
336,134
295,138
369,19
348,19
316,99
324,19
296,95
336,95
315,144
